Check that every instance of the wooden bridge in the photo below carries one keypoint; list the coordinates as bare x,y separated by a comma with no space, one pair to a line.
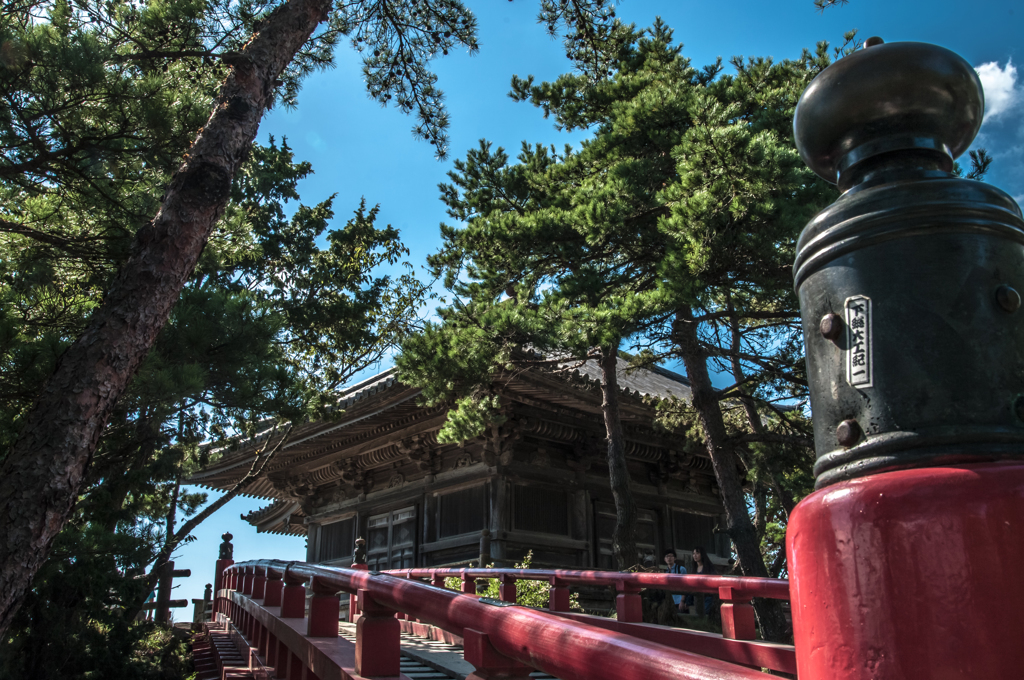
265,626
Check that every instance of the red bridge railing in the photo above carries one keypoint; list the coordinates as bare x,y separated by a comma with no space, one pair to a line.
265,601
736,593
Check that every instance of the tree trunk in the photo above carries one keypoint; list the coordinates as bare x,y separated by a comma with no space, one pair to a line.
41,476
753,417
624,536
725,463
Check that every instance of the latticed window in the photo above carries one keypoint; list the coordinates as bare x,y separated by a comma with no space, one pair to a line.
336,540
539,509
691,530
391,540
462,511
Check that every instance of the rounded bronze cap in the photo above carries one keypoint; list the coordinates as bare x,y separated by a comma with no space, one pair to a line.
888,97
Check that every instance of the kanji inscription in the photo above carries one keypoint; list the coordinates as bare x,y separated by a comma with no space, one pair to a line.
858,337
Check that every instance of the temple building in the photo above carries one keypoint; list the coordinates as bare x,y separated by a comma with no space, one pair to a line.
538,481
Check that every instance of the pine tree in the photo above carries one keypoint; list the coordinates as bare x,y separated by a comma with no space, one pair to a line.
111,45
675,225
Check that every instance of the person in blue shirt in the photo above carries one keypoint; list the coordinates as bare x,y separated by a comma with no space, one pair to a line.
675,568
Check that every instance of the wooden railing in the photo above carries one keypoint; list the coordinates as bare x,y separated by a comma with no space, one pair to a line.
736,594
266,602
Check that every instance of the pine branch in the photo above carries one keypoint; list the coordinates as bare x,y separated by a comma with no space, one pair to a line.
259,464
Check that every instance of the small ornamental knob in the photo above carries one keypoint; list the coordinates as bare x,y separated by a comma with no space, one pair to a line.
890,97
226,549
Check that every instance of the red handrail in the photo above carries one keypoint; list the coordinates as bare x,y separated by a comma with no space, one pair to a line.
564,648
744,586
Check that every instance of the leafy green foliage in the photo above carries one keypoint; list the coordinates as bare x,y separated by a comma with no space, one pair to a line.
282,309
99,101
71,625
684,207
528,593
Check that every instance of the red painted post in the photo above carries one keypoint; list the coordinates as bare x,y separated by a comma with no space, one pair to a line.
628,607
272,644
468,583
262,640
507,589
295,667
737,615
281,662
220,579
490,664
272,591
437,580
324,608
378,636
353,599
293,599
259,584
911,518
247,581
558,596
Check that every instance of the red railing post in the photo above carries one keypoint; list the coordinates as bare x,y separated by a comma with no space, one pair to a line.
247,581
353,599
220,579
281,662
272,591
296,668
378,637
259,584
324,609
272,644
468,583
737,615
262,640
293,598
558,596
489,663
628,607
507,588
437,580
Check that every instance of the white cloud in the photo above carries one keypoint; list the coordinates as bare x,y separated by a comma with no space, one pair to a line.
1002,93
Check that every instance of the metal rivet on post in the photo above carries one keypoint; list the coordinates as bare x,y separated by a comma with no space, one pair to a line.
831,326
1008,298
848,433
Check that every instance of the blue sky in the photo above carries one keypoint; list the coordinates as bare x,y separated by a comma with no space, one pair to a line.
359,149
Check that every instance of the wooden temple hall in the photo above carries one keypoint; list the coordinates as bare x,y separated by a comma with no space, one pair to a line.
538,482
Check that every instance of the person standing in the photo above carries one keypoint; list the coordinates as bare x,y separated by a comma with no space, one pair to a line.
675,568
703,565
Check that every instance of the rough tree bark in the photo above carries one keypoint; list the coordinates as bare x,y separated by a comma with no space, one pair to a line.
42,474
725,463
624,536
